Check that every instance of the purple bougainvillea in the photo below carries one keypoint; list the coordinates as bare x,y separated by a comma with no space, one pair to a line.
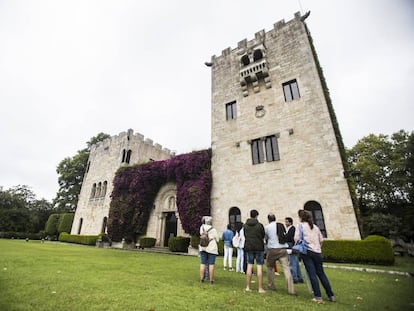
136,187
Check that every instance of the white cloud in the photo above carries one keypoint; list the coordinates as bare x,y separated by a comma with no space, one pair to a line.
72,69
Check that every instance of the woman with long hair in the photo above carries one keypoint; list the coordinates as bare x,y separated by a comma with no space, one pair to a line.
313,258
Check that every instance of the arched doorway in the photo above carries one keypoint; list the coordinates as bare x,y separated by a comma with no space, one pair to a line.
170,226
235,218
317,215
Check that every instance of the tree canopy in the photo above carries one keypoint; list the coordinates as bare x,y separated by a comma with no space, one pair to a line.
386,185
71,171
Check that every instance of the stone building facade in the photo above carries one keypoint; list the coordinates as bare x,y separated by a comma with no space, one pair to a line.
273,141
105,159
274,145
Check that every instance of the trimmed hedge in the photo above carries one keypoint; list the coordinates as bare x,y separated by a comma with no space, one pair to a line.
58,223
65,222
178,244
78,239
372,250
22,235
146,242
51,225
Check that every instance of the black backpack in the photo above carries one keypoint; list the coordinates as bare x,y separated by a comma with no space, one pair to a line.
281,233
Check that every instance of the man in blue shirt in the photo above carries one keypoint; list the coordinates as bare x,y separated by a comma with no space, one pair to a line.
277,251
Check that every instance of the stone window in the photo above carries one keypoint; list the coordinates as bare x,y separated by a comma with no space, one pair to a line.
104,222
257,55
257,151
123,155
104,187
235,218
128,156
245,60
317,215
291,90
265,149
272,149
98,190
231,111
80,225
93,192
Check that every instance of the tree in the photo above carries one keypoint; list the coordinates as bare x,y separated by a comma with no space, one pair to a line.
386,166
71,171
20,211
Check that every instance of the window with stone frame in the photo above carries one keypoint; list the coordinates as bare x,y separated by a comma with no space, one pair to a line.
231,111
265,149
291,90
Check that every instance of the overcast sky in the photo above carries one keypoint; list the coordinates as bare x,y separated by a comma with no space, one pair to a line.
72,69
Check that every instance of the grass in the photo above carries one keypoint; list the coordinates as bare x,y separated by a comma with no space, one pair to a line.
56,276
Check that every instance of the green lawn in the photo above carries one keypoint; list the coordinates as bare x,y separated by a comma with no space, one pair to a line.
56,276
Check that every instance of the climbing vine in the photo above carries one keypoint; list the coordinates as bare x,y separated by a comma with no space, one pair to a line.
136,187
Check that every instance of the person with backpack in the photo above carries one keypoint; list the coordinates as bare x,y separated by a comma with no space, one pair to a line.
208,250
227,238
277,250
254,246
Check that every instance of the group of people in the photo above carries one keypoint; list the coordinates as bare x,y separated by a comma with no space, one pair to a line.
271,243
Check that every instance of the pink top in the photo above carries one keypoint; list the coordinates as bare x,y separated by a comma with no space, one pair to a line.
313,237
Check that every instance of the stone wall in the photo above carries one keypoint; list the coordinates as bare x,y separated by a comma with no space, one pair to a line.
310,168
104,160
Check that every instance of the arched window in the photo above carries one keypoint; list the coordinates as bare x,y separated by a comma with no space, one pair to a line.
317,215
98,190
104,187
93,191
80,225
257,55
123,155
235,218
105,221
128,156
245,60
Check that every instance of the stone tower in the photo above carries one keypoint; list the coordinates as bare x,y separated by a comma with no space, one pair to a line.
105,159
274,142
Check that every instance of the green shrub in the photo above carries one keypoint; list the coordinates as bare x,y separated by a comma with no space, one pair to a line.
178,244
372,250
51,225
146,242
65,222
22,235
195,241
78,239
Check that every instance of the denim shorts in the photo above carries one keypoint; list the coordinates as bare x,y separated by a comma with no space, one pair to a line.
207,258
255,255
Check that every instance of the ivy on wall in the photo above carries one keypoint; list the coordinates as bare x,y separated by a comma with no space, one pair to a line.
136,187
338,136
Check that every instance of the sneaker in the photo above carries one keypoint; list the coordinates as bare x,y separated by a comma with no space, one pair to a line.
277,273
224,268
262,291
318,301
247,289
332,299
230,269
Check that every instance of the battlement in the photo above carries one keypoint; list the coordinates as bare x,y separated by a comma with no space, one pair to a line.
259,37
125,137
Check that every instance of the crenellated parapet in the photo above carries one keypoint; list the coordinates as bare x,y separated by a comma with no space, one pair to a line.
252,57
